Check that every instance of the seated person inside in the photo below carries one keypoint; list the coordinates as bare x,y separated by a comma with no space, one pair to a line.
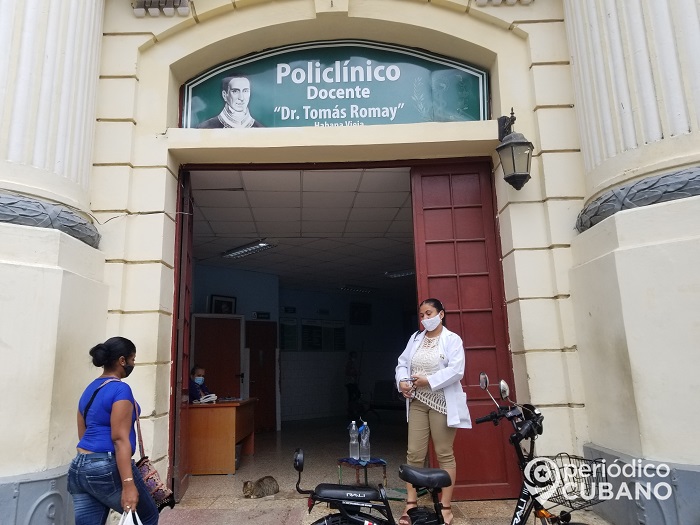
197,387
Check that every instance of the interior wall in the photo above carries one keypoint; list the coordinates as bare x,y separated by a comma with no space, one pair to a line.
254,292
322,373
313,382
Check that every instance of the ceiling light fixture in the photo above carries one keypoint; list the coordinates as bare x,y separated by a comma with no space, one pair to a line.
248,249
355,289
399,273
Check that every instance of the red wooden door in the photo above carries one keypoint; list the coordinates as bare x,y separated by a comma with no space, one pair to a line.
217,349
181,338
458,262
261,339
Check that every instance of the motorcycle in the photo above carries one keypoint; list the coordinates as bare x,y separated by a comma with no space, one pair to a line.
355,503
561,480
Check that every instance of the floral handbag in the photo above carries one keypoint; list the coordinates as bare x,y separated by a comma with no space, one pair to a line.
160,492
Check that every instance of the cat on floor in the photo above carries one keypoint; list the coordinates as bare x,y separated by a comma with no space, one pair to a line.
265,486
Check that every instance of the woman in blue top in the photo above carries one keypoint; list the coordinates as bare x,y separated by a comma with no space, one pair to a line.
103,476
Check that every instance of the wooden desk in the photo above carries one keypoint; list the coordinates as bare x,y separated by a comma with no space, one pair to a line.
214,431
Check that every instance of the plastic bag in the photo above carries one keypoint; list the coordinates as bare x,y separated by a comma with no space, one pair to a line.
130,518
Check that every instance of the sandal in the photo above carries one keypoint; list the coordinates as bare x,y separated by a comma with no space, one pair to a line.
405,519
453,518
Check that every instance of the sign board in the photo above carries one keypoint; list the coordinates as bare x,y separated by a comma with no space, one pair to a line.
335,83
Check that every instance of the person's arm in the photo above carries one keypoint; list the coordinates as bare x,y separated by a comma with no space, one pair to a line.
121,424
403,369
195,392
81,426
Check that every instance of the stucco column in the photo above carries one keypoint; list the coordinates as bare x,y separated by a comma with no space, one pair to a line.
53,300
637,94
48,80
637,87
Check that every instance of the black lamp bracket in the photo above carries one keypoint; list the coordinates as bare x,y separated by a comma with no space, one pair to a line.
505,125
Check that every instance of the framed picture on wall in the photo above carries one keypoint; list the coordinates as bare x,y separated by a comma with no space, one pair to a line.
220,304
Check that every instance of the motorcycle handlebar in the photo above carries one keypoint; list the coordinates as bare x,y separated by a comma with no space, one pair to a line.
525,431
495,416
492,416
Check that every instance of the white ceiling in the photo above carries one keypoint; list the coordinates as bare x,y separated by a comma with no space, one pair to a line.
331,227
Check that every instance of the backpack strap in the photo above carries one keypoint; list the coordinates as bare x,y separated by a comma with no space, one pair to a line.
87,407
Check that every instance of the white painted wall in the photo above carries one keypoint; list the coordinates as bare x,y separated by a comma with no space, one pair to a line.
636,290
52,311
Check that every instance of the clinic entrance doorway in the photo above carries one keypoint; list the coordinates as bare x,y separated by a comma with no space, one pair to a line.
346,229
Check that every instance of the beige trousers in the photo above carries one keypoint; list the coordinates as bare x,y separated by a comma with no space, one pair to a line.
425,423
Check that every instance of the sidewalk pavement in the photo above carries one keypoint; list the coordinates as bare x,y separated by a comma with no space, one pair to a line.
209,506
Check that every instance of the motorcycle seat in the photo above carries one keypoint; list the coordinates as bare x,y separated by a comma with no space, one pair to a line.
429,478
346,492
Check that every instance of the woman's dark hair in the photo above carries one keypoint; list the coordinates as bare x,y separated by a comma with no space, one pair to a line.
435,303
195,368
107,353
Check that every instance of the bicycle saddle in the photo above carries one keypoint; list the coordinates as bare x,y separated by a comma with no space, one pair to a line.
346,492
429,478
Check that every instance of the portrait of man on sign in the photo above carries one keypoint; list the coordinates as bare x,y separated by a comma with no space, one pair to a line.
235,90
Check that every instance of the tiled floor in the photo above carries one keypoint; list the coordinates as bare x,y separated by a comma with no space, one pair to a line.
218,500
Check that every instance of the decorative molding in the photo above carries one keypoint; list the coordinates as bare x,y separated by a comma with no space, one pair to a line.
482,3
154,7
662,188
17,209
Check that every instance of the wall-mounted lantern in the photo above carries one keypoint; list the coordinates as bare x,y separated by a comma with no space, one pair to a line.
515,152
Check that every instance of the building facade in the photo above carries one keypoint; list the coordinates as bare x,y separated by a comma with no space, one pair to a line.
598,250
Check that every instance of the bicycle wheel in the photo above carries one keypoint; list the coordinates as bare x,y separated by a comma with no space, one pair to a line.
339,519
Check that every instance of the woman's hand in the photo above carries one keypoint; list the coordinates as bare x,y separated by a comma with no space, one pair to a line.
420,382
130,496
407,388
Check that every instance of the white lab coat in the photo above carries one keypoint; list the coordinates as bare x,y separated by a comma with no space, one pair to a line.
448,377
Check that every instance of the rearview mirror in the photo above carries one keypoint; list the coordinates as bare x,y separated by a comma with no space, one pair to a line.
483,381
505,390
299,460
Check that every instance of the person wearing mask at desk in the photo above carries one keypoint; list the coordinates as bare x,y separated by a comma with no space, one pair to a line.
197,387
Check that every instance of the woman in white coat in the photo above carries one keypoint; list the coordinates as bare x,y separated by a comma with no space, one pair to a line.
428,375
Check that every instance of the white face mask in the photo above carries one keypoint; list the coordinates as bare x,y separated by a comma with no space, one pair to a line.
431,323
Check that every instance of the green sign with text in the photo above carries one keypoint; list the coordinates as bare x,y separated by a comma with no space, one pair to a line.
335,83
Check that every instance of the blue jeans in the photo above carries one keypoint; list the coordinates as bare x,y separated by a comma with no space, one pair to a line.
94,482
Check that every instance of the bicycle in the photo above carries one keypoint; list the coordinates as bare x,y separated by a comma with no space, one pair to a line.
562,480
354,503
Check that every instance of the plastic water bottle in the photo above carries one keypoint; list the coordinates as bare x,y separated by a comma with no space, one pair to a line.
354,443
364,442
